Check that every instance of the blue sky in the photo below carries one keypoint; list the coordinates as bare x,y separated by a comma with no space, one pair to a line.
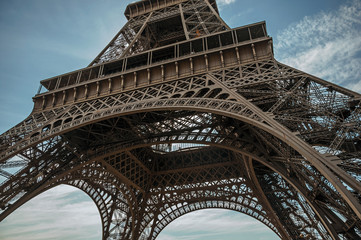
44,38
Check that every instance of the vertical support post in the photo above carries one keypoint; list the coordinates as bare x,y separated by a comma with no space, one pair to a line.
53,102
162,71
98,88
109,85
74,96
148,75
64,96
86,91
206,61
191,65
176,69
122,82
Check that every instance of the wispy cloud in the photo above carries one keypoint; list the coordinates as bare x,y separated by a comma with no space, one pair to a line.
327,45
61,213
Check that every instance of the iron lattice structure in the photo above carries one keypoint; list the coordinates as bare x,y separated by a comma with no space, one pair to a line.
180,113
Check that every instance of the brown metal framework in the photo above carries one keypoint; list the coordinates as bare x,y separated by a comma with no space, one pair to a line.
180,113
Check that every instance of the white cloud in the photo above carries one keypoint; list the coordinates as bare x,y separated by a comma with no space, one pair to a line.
225,2
327,45
60,213
67,213
214,224
355,87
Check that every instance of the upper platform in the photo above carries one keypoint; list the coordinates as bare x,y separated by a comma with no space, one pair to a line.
156,23
244,44
163,40
146,6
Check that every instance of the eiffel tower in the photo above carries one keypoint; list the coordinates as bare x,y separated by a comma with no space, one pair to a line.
180,112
